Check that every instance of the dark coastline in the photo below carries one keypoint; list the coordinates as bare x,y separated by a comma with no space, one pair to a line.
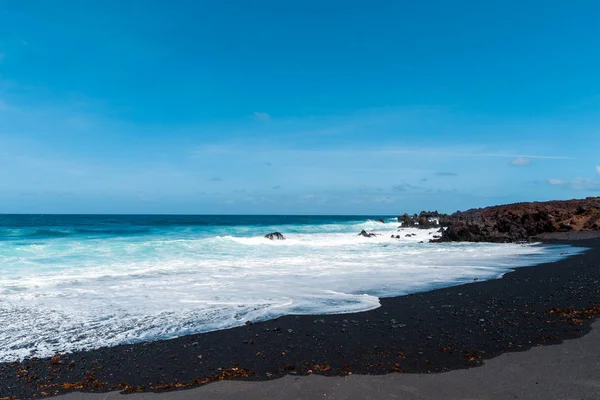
440,330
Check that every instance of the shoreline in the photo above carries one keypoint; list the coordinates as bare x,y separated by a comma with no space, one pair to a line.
440,330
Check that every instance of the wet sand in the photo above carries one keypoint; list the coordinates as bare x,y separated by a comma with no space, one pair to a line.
442,330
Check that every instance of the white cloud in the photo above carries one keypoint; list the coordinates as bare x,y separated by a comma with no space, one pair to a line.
384,199
457,153
577,183
520,162
404,187
446,174
79,122
557,182
263,116
143,197
216,149
244,146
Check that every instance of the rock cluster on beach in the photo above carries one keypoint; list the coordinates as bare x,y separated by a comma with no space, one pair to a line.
512,222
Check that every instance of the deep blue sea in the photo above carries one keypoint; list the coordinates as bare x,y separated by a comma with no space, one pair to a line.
70,282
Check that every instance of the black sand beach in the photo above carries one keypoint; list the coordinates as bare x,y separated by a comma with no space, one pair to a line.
441,330
567,371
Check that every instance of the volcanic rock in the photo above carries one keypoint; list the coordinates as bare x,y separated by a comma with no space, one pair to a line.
274,236
365,234
521,221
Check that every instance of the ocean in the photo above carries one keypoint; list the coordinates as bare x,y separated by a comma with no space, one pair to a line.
74,282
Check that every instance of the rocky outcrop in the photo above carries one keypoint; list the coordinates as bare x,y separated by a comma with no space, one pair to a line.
424,220
380,220
521,221
426,223
274,236
366,234
407,221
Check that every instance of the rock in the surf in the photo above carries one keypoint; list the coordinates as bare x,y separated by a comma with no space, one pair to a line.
275,236
366,234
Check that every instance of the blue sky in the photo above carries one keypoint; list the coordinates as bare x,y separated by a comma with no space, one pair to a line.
376,107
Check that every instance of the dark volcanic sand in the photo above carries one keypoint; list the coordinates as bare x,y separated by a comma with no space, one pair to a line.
435,331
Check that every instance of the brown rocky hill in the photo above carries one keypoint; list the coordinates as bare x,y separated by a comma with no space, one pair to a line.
521,221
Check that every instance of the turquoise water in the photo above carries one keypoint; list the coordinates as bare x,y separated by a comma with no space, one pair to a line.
79,282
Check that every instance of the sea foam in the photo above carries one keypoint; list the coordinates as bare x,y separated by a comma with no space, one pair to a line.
82,289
